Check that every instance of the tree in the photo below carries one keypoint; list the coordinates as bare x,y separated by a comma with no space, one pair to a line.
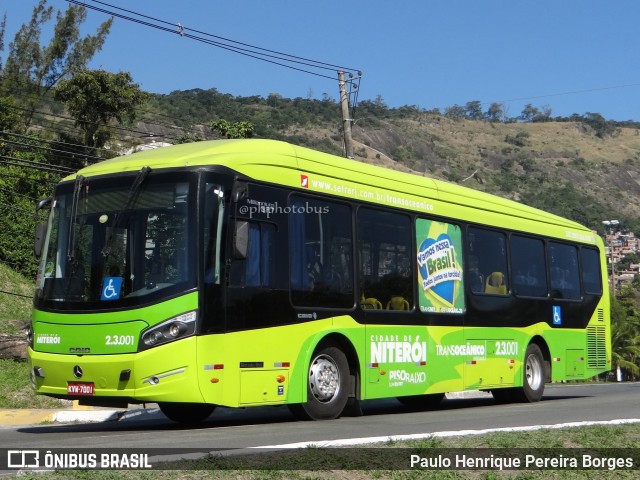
473,110
25,177
3,28
600,125
455,112
95,98
495,112
545,115
232,130
9,117
625,337
529,113
31,69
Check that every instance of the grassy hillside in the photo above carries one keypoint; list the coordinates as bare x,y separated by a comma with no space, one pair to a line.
567,167
562,167
15,312
16,293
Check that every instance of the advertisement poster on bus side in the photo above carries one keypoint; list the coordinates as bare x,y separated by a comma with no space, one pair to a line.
440,267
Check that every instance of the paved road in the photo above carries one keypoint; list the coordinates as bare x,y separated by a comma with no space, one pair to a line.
230,428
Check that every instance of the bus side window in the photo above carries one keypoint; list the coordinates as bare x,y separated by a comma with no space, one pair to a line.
528,266
321,253
384,243
489,249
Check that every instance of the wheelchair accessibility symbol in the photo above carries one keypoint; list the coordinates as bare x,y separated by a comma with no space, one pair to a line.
557,315
111,287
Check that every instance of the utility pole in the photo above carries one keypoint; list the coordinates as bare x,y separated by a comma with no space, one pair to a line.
346,120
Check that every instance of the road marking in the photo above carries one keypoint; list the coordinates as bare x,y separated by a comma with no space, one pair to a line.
450,433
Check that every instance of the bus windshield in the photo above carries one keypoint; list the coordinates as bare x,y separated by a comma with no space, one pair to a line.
118,242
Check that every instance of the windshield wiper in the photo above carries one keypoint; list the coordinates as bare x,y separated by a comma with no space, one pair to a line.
80,184
134,191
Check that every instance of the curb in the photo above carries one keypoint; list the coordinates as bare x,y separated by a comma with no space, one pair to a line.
70,416
16,417
34,417
78,414
468,394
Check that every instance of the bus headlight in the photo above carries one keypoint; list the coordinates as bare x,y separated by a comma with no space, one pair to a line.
175,328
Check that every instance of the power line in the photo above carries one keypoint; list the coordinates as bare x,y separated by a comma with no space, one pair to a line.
115,127
29,179
252,51
57,143
20,162
13,192
142,119
572,92
16,294
50,150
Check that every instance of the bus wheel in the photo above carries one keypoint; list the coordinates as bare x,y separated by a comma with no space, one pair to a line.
421,402
327,386
186,412
533,372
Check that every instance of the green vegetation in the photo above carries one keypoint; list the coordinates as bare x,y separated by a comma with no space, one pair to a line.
32,69
625,334
378,458
16,390
16,292
95,98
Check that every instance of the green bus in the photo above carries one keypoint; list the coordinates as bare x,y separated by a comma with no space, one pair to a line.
254,272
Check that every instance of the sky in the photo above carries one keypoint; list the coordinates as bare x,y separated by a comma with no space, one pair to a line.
574,56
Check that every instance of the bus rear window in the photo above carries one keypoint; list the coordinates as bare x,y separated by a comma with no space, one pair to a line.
564,273
591,275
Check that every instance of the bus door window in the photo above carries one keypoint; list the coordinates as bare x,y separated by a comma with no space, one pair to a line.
321,243
528,266
385,267
564,272
489,249
214,210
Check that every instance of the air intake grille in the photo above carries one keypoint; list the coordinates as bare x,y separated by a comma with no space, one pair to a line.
600,315
596,347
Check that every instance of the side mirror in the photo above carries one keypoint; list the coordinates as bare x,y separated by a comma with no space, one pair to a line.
41,229
41,234
241,240
45,203
240,191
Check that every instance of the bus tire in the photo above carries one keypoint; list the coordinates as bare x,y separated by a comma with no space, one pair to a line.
327,386
533,376
186,412
421,402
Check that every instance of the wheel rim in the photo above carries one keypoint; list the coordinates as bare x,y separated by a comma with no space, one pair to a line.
533,372
324,378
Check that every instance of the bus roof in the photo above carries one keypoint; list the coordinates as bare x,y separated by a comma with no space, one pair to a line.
286,164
